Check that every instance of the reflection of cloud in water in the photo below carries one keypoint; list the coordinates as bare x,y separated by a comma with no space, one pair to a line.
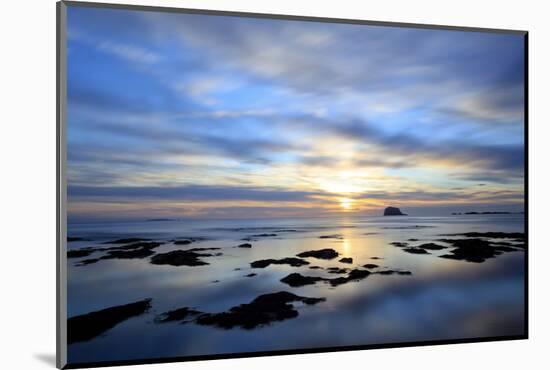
478,304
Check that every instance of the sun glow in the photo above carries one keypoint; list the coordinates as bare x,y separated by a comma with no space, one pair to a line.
346,203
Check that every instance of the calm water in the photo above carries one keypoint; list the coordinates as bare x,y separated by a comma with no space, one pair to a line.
442,299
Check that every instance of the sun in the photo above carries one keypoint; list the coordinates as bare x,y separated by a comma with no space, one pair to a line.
346,203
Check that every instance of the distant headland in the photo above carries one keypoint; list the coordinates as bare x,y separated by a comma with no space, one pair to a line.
487,213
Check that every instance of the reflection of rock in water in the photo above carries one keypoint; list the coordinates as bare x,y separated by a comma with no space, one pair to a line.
85,327
263,310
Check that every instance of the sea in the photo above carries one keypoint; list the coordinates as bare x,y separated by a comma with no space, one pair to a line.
442,299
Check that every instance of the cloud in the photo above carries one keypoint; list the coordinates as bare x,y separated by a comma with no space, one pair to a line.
403,67
129,52
190,192
196,109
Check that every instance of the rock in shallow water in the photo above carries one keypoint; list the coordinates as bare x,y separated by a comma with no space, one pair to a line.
431,246
263,310
126,240
79,253
473,250
325,254
180,258
179,314
297,280
292,261
85,327
415,250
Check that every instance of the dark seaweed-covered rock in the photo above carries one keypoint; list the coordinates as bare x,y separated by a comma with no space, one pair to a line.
411,227
315,267
346,260
493,235
431,246
370,266
354,275
263,310
325,254
79,253
392,272
399,244
412,240
85,327
376,258
180,258
472,250
292,261
251,275
244,245
337,270
182,242
503,248
297,280
393,211
415,250
262,235
128,254
126,241
137,245
333,236
178,314
74,239
88,261
202,249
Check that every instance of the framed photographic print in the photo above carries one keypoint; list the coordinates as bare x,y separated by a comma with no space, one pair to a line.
234,184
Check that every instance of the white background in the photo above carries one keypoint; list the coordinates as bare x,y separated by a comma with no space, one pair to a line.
27,239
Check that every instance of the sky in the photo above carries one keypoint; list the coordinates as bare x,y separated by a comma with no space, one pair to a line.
181,115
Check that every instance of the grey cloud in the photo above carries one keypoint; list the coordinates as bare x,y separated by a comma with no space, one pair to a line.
189,192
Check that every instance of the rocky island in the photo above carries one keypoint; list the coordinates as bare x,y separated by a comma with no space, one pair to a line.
393,211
